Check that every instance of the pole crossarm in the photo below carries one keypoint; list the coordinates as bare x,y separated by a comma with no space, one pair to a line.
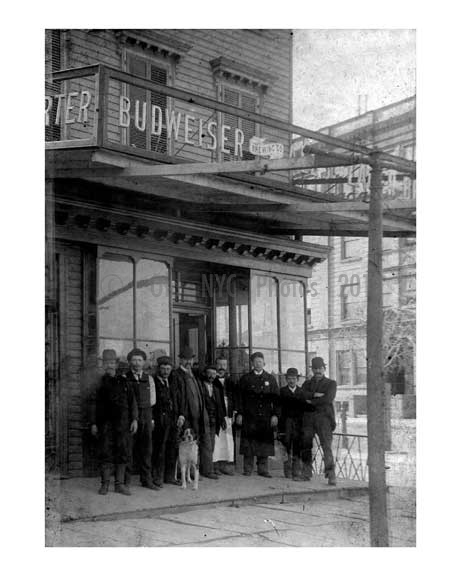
191,98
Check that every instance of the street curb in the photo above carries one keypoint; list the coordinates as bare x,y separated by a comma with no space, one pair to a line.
276,498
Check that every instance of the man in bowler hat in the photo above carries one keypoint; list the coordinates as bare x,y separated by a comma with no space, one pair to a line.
192,409
114,420
293,405
319,391
165,415
257,414
144,390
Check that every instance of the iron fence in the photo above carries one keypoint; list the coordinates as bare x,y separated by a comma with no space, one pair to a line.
351,454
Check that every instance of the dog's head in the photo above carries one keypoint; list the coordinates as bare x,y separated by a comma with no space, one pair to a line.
188,435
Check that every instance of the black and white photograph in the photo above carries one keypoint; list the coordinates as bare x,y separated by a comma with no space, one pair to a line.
230,287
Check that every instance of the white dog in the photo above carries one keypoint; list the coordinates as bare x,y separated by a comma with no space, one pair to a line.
188,458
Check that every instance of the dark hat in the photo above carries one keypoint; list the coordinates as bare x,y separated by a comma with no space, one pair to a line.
187,353
109,354
292,372
256,355
318,362
162,360
136,352
210,367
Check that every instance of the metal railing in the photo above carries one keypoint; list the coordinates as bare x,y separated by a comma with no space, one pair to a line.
350,452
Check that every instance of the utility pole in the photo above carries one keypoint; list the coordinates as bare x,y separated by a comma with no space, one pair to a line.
376,398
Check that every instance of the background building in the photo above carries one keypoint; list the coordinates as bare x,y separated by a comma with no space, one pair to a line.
338,289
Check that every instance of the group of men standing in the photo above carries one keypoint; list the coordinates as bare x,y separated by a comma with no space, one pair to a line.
139,417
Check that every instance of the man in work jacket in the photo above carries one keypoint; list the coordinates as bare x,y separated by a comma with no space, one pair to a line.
144,390
320,392
113,422
257,413
192,409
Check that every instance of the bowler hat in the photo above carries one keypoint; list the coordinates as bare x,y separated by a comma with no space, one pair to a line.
210,367
162,360
109,354
136,352
292,372
256,355
186,353
318,362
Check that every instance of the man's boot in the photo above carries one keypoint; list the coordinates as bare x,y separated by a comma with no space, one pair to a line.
263,466
105,481
120,487
307,471
287,468
296,469
331,478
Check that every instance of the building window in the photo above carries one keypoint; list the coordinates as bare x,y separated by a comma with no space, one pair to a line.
240,128
140,132
53,64
133,305
348,297
278,316
349,248
351,367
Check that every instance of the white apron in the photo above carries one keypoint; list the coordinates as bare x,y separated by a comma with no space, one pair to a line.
224,444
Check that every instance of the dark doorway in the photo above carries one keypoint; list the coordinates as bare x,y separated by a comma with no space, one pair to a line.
193,329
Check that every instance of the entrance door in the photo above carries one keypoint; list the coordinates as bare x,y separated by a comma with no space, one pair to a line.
192,329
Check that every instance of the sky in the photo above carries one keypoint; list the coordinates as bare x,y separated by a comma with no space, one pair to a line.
331,68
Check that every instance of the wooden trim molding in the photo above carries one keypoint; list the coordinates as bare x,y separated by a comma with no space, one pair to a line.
235,71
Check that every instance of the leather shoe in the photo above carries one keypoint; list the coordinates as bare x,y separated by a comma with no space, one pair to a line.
150,486
173,481
265,474
212,476
104,489
122,489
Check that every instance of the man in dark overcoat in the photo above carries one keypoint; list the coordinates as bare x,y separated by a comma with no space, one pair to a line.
293,405
144,390
319,391
113,421
258,413
192,409
165,414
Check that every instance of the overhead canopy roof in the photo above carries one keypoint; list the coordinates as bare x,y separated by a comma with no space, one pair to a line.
254,195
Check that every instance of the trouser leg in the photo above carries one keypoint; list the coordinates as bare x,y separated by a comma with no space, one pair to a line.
248,463
325,434
171,454
159,436
306,446
205,452
145,447
262,463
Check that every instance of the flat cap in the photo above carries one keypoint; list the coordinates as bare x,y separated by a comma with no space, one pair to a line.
318,362
162,360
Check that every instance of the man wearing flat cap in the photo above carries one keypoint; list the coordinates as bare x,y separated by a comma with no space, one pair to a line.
113,421
257,414
293,405
144,390
319,392
192,409
165,415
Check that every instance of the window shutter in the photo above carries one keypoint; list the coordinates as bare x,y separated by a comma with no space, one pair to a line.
137,66
53,131
231,97
159,75
249,128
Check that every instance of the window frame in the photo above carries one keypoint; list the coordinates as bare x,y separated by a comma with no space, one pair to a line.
343,303
221,85
170,67
136,256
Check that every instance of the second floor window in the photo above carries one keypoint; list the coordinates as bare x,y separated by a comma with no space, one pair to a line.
245,101
140,133
349,303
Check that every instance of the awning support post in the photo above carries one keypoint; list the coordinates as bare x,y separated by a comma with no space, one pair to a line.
376,398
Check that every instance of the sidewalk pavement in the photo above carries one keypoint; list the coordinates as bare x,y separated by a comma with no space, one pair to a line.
265,512
78,498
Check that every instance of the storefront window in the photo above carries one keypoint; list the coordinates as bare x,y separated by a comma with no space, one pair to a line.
133,306
264,312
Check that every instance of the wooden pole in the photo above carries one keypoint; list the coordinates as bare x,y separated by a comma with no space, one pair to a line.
376,401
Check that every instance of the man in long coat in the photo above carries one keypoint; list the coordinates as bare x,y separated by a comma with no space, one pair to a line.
320,392
192,409
114,420
165,416
257,413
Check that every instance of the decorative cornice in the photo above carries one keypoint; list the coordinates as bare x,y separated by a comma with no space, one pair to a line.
236,71
158,42
177,231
